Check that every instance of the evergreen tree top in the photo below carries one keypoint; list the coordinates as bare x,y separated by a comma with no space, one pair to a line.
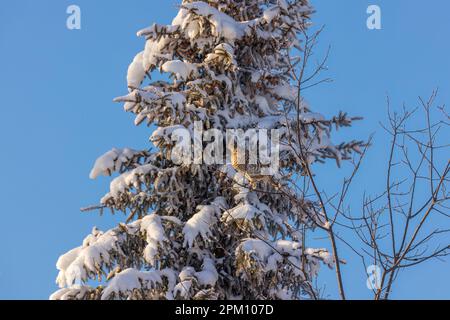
203,231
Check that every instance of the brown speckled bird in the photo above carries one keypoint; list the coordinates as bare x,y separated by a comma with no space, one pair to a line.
252,172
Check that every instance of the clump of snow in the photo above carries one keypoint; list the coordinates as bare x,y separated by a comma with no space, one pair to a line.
165,133
263,105
286,246
130,279
177,99
224,25
223,55
75,292
111,162
182,289
186,274
243,211
201,222
127,179
259,247
156,29
272,254
208,276
182,70
75,265
171,278
285,91
136,71
225,47
154,52
152,227
322,254
67,273
271,13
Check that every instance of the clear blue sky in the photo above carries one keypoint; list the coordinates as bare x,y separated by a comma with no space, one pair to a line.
57,115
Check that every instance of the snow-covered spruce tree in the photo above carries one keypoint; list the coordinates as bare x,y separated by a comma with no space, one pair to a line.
198,231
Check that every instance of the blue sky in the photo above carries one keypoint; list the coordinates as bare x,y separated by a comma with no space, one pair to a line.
57,116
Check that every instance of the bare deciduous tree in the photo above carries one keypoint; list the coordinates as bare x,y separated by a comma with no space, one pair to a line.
397,228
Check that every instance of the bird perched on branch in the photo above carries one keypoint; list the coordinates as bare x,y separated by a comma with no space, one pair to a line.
253,172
